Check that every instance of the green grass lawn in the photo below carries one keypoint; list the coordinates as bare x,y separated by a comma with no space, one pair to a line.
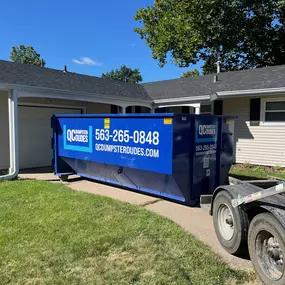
257,172
50,234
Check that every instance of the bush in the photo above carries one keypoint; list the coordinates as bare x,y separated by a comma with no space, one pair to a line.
247,164
278,167
258,168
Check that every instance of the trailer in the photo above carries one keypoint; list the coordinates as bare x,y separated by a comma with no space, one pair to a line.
250,219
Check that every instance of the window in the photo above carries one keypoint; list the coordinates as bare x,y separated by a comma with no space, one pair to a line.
274,111
206,109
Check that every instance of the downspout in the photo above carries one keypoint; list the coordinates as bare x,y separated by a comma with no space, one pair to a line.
13,136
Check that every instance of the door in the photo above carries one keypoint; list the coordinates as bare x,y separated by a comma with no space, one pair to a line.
35,134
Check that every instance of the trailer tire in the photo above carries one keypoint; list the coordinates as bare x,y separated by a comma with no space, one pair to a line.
231,224
267,258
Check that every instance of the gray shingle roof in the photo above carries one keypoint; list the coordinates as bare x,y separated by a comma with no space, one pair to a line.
259,78
30,75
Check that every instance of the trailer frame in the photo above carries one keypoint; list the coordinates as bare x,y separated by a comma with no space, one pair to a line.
249,219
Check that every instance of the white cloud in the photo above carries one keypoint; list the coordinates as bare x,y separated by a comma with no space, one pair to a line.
132,45
87,61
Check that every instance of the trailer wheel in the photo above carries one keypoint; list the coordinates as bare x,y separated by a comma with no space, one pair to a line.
267,247
230,224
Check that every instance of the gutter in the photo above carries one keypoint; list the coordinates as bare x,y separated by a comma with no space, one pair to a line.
250,92
13,136
183,99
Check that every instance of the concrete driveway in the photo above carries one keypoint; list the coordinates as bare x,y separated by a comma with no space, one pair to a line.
194,220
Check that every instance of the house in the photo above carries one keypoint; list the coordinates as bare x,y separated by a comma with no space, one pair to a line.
256,97
33,94
41,92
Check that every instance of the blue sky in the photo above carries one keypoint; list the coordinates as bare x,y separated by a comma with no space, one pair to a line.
89,36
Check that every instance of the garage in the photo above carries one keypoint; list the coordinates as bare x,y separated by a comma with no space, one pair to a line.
35,133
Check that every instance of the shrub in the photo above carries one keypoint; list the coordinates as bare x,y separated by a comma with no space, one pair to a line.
278,167
258,168
247,164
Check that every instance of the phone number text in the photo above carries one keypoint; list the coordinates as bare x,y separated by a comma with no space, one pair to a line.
137,137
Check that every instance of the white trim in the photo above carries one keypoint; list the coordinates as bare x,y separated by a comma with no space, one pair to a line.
82,98
13,136
197,105
32,91
266,91
40,105
262,111
123,110
183,99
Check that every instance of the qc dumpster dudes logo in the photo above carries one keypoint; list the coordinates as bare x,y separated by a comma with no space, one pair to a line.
78,139
206,133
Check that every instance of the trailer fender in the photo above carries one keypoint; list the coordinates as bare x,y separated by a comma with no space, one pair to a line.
275,205
233,190
277,211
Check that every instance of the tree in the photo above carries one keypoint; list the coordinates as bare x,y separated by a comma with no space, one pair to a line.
240,34
26,55
190,73
124,74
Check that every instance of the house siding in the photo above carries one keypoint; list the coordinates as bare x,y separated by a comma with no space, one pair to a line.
260,145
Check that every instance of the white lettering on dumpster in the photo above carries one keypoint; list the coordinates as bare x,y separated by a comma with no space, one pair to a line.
138,151
77,135
207,130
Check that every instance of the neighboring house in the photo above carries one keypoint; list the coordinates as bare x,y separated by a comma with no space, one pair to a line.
256,96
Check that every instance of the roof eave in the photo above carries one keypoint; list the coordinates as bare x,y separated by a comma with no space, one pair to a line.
249,92
26,88
183,99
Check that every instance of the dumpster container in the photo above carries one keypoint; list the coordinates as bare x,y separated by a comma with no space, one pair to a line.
179,157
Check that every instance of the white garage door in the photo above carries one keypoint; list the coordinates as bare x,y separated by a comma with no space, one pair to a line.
35,134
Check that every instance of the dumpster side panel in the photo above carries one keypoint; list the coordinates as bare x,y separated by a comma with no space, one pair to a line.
60,167
182,156
178,157
139,180
227,148
140,143
205,156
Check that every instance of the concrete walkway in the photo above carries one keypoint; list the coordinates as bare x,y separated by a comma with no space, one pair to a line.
194,220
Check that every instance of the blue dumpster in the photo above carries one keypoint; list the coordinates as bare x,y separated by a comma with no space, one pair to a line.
179,157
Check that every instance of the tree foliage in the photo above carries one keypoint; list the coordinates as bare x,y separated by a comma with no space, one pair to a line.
191,73
124,74
26,55
240,34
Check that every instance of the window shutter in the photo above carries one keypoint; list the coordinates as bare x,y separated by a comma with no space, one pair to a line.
254,114
185,109
218,107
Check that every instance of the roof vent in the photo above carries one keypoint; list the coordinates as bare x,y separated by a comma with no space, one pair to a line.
42,63
65,69
218,63
218,67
